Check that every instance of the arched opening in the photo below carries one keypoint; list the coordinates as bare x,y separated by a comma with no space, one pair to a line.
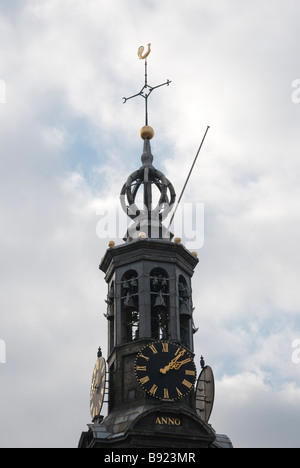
185,311
160,304
110,315
130,306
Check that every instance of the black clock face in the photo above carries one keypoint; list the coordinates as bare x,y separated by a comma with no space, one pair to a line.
165,370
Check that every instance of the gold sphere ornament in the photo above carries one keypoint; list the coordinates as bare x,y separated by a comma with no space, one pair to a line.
147,132
177,240
142,235
111,244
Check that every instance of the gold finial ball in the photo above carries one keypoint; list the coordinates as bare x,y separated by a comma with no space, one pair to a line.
147,132
195,254
111,244
177,240
142,235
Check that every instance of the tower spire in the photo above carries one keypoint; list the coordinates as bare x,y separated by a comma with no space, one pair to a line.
147,217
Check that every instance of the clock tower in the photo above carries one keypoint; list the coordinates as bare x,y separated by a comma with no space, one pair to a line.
149,379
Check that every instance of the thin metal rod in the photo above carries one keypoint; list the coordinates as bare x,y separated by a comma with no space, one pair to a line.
146,110
146,96
189,175
146,74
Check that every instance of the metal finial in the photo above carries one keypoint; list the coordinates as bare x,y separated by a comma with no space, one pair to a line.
99,353
202,362
146,89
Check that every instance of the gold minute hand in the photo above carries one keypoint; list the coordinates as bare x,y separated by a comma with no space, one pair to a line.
173,364
181,363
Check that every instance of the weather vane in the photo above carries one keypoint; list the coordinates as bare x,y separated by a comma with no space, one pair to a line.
146,89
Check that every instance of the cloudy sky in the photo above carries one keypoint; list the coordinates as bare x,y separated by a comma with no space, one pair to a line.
67,145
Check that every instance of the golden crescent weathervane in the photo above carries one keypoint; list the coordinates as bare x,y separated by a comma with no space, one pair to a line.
141,50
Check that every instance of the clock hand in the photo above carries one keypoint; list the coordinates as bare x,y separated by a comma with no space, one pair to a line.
165,369
173,364
179,364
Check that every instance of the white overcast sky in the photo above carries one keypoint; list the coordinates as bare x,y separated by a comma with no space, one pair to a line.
67,145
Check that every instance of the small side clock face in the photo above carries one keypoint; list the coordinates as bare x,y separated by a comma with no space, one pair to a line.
98,387
165,370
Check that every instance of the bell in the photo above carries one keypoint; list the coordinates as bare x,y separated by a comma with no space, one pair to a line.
164,281
183,291
159,301
184,309
155,281
133,283
129,302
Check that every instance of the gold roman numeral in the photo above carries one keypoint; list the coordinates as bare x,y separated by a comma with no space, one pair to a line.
141,368
153,349
178,392
189,372
144,357
165,347
144,380
153,389
166,393
187,383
